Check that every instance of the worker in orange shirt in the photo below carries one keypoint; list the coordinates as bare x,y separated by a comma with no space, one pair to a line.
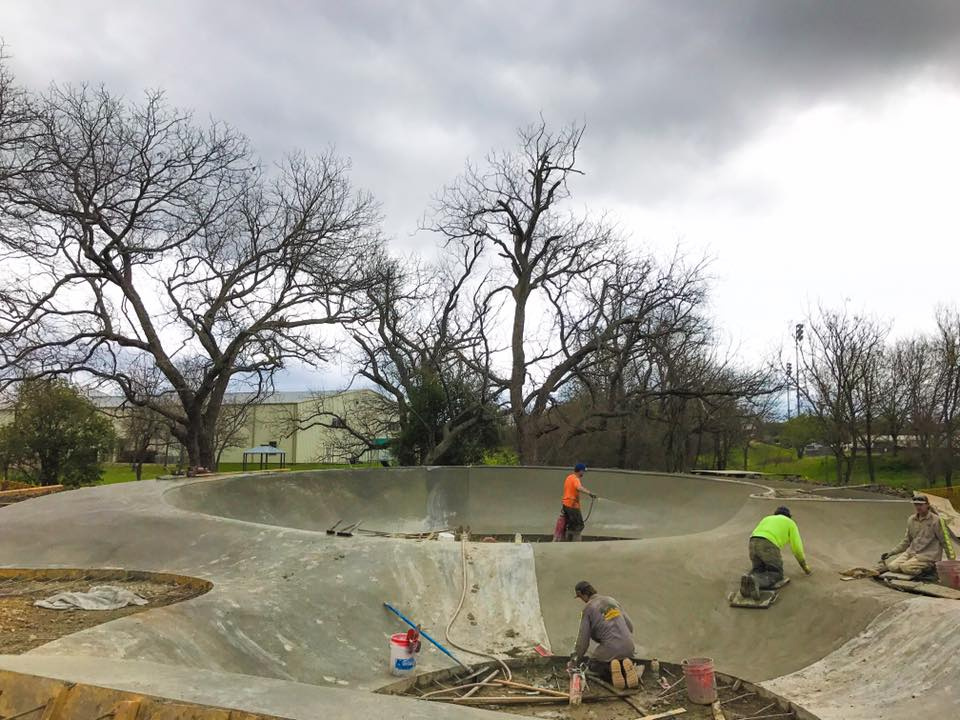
572,487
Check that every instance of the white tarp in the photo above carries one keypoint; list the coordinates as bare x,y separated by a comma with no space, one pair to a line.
99,597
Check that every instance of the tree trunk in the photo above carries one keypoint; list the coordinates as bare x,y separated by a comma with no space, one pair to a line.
198,442
49,470
838,456
746,453
138,469
948,461
622,444
526,441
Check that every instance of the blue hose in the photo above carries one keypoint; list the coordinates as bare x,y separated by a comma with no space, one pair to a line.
409,622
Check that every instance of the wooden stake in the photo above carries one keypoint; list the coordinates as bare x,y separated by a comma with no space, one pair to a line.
523,686
489,677
717,711
668,690
668,713
625,697
738,697
509,700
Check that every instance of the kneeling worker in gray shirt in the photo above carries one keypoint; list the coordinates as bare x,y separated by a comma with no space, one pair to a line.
606,623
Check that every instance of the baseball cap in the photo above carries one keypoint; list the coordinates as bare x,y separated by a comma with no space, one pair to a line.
579,467
920,499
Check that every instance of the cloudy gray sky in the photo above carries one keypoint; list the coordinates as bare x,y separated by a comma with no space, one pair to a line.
811,148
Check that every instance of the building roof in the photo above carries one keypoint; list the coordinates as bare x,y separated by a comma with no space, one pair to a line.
277,398
264,450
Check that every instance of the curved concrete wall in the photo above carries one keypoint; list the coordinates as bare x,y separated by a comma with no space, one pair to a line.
487,499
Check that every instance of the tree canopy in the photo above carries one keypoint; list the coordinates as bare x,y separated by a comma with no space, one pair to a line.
56,435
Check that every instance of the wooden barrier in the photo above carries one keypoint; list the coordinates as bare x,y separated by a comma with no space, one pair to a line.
8,497
29,697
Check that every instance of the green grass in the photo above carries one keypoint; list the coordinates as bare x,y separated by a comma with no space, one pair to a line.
122,472
889,470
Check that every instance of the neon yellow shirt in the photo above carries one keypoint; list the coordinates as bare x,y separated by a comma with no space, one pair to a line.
780,530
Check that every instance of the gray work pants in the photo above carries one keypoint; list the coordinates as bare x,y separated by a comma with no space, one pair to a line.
767,562
574,518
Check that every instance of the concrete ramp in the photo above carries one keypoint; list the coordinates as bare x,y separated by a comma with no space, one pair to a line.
903,665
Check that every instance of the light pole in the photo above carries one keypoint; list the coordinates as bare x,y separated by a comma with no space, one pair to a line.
789,378
798,338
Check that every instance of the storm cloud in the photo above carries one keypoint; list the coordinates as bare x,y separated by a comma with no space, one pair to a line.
668,90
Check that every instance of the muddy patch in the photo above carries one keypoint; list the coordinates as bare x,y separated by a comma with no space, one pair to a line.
24,626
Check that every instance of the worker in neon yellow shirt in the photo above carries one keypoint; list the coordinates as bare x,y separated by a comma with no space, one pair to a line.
773,532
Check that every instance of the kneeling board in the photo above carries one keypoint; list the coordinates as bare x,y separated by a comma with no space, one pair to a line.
767,597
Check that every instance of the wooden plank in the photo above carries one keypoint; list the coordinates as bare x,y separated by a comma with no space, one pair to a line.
667,714
128,710
55,705
509,700
523,686
923,588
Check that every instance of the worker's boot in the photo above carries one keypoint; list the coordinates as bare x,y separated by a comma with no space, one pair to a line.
616,674
630,674
749,587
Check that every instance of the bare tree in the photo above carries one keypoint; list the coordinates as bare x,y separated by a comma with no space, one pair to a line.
551,270
919,373
142,237
15,119
871,342
893,392
143,429
233,423
642,307
840,369
947,347
425,344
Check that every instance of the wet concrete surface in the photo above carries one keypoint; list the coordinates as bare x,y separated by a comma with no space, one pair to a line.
293,604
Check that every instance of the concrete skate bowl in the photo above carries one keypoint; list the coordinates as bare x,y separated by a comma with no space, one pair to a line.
297,616
488,500
687,549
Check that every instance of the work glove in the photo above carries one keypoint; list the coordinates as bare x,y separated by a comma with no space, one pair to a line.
806,569
884,556
592,495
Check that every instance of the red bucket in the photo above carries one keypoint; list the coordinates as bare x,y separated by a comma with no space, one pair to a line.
701,683
403,661
949,573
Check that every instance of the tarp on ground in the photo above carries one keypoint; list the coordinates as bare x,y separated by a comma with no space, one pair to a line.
99,597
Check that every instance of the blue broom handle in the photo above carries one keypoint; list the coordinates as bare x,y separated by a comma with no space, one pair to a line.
409,622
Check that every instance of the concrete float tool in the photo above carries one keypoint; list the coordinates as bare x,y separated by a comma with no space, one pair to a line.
437,645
